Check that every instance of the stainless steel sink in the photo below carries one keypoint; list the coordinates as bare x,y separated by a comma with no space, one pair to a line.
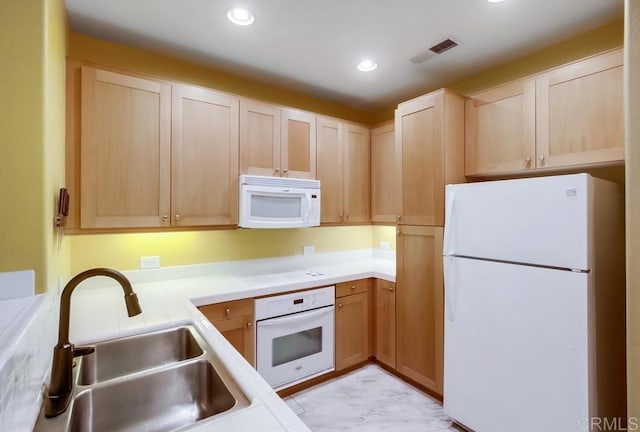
158,402
158,381
115,358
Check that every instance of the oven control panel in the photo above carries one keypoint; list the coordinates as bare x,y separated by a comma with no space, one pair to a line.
286,304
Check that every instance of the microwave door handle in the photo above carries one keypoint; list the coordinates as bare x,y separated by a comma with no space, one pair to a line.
297,317
308,197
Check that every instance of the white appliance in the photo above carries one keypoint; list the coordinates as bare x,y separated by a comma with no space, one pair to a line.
278,202
295,336
535,305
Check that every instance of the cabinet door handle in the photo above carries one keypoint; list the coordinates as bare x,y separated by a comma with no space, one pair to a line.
277,170
398,217
348,215
249,324
340,305
165,217
227,311
285,171
390,289
541,158
527,161
353,287
177,216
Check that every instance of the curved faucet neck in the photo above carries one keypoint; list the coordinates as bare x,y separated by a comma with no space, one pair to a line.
65,298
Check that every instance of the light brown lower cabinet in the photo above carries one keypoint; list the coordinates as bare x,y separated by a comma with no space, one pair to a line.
420,305
352,323
385,322
235,320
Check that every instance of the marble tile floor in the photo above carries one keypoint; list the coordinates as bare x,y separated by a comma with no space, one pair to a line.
369,400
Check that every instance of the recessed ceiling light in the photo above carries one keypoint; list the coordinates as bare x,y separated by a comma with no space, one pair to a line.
240,16
494,1
367,65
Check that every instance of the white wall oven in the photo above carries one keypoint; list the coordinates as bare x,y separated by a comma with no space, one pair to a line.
295,336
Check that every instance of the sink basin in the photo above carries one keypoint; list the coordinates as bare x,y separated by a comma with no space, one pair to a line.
157,381
123,356
171,398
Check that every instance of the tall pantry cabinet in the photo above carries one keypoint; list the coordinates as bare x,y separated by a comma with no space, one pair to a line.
429,153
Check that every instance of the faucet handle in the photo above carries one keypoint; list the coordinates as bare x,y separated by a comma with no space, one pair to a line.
83,350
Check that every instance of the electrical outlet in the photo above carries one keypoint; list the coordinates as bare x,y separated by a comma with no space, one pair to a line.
384,245
308,250
149,262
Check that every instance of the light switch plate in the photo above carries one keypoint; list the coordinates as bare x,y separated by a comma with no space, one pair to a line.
149,262
308,250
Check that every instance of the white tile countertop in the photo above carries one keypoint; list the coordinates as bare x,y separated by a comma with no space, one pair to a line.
170,296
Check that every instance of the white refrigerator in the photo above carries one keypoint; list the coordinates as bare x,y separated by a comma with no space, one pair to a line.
535,305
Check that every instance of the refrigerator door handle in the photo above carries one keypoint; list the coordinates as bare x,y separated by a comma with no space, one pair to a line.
447,248
450,288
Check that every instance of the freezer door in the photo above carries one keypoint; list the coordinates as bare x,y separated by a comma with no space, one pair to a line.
516,347
540,221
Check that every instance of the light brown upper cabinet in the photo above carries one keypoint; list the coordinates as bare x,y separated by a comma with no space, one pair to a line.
343,171
580,117
204,163
420,305
429,149
276,141
569,116
125,148
382,174
500,131
155,154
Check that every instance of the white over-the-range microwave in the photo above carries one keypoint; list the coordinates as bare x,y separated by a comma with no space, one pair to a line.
278,202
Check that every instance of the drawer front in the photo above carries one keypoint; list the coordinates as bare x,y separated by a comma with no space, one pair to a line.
390,286
352,287
227,310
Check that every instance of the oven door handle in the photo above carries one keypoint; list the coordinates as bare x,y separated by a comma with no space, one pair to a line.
296,317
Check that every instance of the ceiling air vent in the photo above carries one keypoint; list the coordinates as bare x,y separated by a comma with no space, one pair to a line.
436,49
443,46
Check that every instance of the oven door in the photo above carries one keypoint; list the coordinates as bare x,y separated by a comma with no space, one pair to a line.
296,346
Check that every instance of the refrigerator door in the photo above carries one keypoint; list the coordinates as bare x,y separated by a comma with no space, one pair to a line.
540,221
516,347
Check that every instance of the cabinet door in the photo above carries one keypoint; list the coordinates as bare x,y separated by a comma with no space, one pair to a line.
352,330
357,174
500,134
419,159
259,138
419,305
125,150
330,169
382,174
235,320
580,117
298,148
204,165
239,332
385,326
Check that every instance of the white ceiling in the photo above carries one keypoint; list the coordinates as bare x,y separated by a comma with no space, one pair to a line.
313,45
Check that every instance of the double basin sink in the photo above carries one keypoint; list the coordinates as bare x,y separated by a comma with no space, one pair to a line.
157,381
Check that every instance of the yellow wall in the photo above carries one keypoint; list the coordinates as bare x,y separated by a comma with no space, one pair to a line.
632,122
132,59
122,251
384,233
56,253
600,39
31,130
